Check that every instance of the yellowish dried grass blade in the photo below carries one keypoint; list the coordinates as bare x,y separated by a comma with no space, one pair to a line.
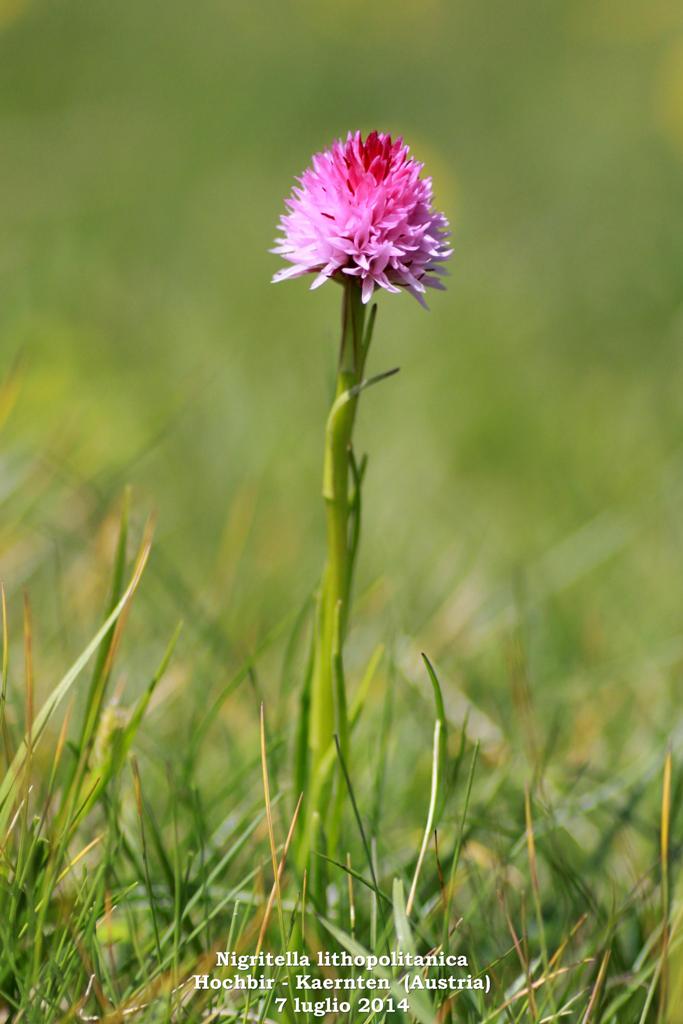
597,988
280,872
269,824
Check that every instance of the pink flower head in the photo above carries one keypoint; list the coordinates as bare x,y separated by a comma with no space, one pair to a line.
362,209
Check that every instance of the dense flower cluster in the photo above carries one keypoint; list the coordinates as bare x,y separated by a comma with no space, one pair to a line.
362,209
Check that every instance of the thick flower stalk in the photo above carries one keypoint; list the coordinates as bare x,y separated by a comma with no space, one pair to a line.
362,216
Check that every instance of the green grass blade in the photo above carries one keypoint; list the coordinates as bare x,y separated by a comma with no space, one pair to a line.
60,691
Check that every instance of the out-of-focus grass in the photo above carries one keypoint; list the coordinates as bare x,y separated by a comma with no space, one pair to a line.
525,486
144,155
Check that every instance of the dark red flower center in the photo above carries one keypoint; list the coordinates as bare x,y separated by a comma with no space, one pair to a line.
375,154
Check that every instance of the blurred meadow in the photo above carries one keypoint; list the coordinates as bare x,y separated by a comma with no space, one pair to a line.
523,518
533,437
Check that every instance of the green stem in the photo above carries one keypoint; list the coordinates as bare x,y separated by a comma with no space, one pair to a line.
334,598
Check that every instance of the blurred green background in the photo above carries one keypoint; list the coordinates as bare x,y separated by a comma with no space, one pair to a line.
528,455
